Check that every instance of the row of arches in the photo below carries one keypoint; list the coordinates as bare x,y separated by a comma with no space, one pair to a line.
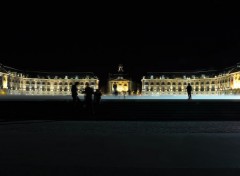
58,83
163,89
185,83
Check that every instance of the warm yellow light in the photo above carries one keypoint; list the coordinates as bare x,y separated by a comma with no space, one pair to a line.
236,85
3,92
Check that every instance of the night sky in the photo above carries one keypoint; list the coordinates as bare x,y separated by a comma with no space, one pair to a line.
180,38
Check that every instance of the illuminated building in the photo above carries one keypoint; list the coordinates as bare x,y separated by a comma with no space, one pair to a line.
121,80
18,82
213,82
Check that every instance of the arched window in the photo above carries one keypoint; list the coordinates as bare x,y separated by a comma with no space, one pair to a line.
55,84
179,84
197,83
163,83
65,83
146,83
152,83
48,83
168,83
173,83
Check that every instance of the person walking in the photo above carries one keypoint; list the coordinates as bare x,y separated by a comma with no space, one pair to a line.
189,91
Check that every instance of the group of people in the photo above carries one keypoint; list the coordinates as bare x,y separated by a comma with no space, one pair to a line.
88,92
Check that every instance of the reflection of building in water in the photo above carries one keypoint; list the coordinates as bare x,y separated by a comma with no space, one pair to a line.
226,81
13,81
121,80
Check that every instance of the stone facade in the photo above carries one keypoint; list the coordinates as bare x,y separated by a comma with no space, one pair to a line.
122,81
17,82
226,81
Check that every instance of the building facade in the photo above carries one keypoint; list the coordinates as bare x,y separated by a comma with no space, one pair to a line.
17,82
119,81
213,82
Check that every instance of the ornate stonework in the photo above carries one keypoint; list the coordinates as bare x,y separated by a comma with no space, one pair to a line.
213,82
119,82
226,81
17,82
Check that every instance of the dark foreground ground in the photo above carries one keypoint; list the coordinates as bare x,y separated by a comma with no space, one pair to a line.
121,138
122,110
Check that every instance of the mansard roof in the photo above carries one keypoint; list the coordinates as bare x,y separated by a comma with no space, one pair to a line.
194,74
234,69
60,75
50,75
119,75
2,69
172,75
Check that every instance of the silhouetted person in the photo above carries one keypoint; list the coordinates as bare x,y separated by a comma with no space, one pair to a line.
74,91
115,89
189,91
97,100
97,97
88,91
124,94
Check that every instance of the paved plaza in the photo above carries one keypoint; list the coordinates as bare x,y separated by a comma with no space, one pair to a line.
73,147
132,137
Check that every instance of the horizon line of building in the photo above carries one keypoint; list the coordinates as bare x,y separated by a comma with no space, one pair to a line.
18,82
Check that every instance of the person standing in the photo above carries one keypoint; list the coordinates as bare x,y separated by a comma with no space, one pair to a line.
97,97
88,91
74,91
189,91
115,89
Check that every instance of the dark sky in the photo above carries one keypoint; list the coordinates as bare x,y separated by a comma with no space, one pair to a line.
166,38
